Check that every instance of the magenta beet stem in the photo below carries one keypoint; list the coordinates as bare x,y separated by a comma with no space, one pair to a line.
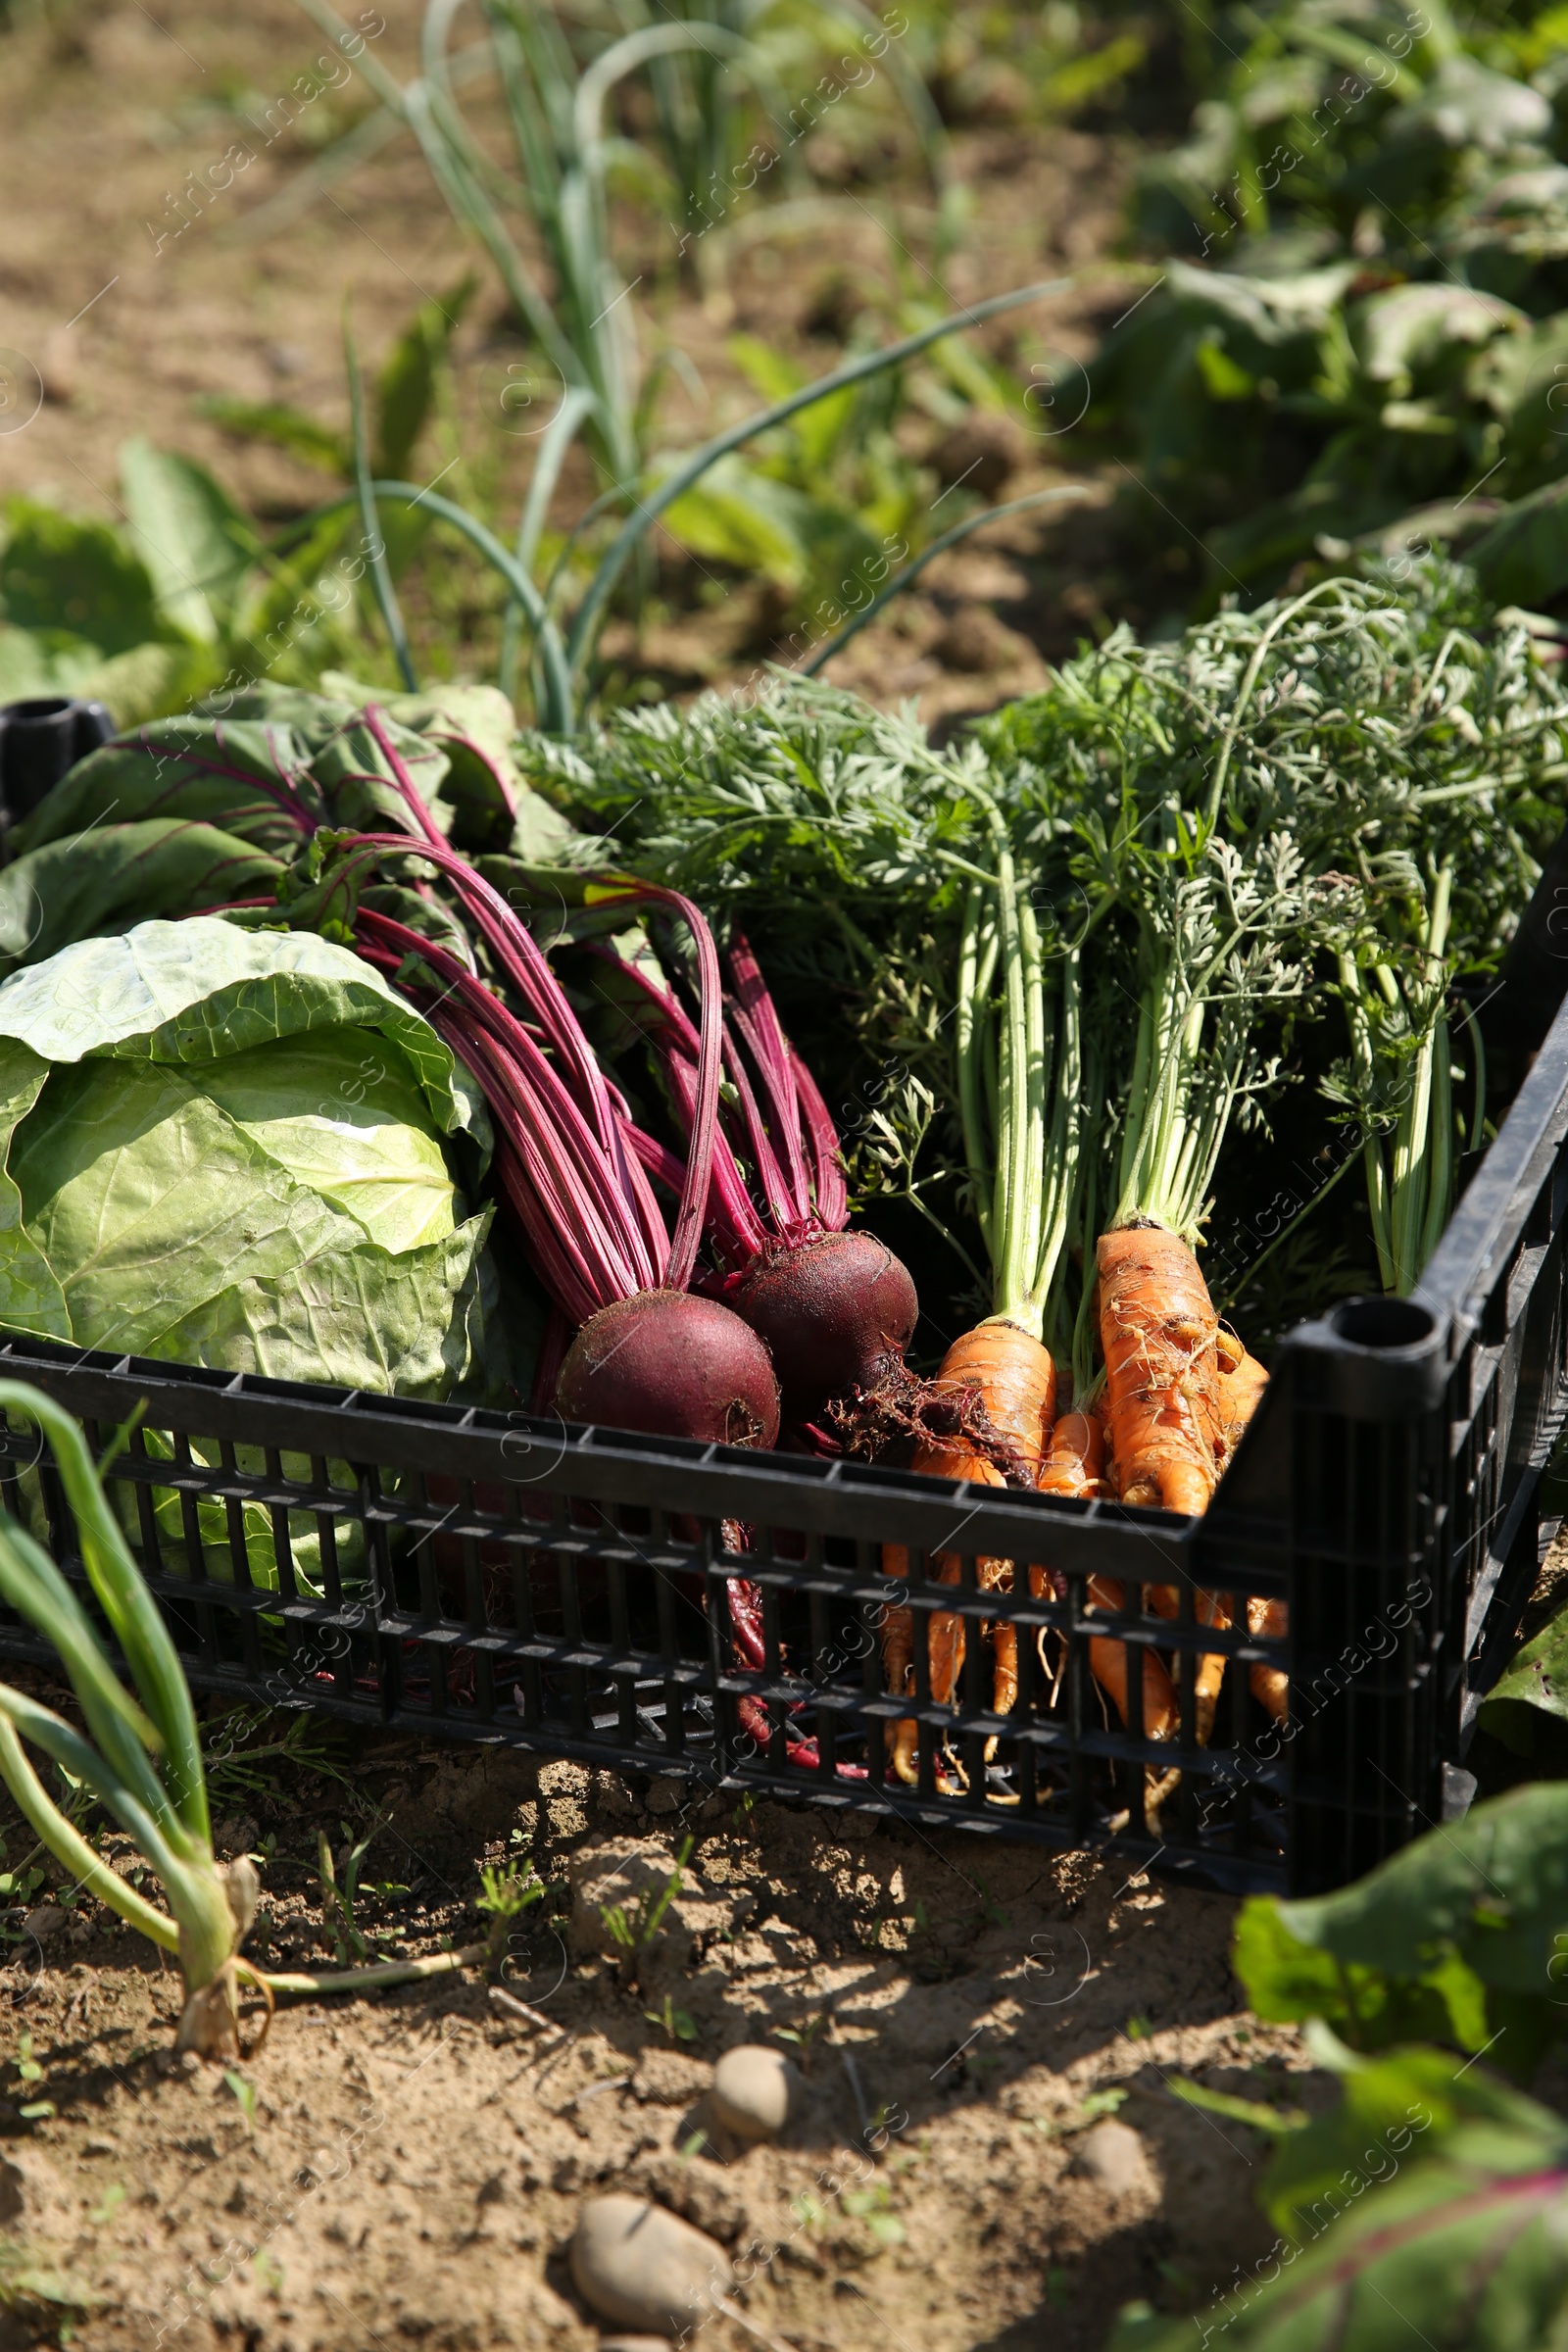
832,1194
797,1751
755,1016
800,1201
588,1212
789,1204
731,1220
745,1622
786,1191
530,972
746,1619
514,950
613,1174
738,1231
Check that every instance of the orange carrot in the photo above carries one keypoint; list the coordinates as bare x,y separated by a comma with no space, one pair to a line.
1075,1460
1074,1465
1270,1684
1181,1392
1107,1663
1242,1382
1157,1333
1014,1380
1209,1608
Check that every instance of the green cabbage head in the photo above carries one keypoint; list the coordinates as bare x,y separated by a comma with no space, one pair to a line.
235,1148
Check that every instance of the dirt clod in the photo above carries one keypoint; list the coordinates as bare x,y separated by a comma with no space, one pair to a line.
670,2078
975,642
34,2201
628,1877
981,452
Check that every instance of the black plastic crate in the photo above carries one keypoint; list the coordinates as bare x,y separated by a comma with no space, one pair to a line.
494,1577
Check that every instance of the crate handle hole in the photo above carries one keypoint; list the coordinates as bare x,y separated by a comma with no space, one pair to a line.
1383,1322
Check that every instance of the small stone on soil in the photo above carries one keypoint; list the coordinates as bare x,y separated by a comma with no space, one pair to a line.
1113,2154
636,2264
753,2090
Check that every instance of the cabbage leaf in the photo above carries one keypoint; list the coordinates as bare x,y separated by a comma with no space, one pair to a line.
231,1148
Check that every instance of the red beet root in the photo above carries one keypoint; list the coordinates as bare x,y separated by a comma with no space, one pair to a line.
837,1314
675,1366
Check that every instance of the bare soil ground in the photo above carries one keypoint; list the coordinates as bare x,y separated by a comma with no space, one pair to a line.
406,2170
413,2163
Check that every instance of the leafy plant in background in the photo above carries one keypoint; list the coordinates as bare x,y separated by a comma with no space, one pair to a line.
564,657
151,614
1367,346
829,503
986,66
407,395
782,516
189,593
706,136
61,578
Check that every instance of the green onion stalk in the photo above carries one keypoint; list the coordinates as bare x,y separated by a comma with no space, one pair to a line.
140,1757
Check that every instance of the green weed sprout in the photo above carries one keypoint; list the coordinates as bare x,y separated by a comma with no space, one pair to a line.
337,1901
504,1895
141,1757
677,2024
633,1929
804,2035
